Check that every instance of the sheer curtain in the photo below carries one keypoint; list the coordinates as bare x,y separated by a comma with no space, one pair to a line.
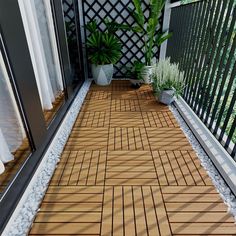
40,32
11,128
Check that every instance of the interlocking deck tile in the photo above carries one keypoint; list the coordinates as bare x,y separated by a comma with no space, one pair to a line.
125,105
131,138
87,138
159,119
124,119
167,139
93,119
128,169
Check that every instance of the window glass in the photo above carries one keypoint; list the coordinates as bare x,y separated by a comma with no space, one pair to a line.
14,144
70,18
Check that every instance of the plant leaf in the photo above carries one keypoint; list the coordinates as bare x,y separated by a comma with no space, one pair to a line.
162,37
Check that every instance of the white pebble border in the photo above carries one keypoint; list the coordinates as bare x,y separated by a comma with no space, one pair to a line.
22,218
221,187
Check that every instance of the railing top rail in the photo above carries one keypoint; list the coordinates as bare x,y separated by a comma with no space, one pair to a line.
177,4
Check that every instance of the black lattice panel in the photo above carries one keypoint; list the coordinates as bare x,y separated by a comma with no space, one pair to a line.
133,43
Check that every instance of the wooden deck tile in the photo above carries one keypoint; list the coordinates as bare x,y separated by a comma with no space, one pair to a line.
87,139
98,95
125,105
159,119
167,139
124,119
128,169
93,119
131,138
86,168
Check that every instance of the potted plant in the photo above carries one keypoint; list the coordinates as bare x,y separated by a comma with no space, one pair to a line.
168,81
104,50
134,73
148,28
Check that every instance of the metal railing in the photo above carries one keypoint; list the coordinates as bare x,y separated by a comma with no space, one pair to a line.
204,44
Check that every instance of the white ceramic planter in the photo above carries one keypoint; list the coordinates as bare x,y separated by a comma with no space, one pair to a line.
167,97
102,74
147,74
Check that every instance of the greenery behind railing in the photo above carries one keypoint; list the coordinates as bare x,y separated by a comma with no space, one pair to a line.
204,45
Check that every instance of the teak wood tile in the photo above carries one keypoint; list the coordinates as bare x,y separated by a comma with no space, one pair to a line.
128,169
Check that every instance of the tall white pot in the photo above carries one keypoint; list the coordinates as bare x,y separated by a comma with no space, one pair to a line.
102,74
147,74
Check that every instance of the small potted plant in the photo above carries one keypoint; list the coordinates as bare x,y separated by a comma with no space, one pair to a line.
147,28
134,73
168,81
104,50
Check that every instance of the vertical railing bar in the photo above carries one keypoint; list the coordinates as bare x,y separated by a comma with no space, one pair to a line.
214,56
201,68
201,110
226,96
233,153
188,52
230,135
192,45
197,68
186,35
194,62
219,68
193,10
182,31
191,59
194,90
228,115
188,44
227,68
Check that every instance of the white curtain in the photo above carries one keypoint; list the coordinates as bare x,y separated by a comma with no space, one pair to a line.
39,27
11,128
2,168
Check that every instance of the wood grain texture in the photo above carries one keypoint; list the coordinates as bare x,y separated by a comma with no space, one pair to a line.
128,169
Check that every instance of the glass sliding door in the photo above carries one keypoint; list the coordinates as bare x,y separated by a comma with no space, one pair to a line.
37,86
14,144
41,36
70,9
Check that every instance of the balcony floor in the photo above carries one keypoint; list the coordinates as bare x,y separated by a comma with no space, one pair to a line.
128,169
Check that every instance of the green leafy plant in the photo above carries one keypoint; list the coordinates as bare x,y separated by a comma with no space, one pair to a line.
167,76
103,46
135,71
148,28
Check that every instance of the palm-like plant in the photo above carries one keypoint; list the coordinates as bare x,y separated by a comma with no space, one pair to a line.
103,47
149,28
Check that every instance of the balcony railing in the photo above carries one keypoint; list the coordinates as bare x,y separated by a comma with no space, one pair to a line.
204,45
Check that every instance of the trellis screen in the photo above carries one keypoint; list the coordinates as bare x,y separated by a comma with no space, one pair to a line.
133,43
204,44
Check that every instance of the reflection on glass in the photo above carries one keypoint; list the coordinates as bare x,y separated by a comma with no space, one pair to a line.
40,30
70,12
14,145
